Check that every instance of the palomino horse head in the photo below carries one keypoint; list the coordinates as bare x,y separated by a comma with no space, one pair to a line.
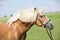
45,21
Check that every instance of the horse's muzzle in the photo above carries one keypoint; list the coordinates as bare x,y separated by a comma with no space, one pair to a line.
49,25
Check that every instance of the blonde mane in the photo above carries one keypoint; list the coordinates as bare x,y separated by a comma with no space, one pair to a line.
28,15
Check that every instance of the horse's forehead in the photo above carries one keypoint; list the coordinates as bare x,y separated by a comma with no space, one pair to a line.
41,13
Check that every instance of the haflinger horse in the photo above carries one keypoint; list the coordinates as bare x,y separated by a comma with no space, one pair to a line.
17,27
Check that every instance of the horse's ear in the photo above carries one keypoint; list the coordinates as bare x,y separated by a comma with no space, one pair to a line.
34,8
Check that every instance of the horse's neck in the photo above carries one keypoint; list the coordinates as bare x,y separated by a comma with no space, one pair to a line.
23,25
18,28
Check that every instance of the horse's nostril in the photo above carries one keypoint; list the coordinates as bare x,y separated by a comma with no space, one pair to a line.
51,25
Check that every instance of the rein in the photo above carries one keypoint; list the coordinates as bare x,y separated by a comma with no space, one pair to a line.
48,31
49,34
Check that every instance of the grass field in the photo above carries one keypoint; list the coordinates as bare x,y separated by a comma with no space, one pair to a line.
39,33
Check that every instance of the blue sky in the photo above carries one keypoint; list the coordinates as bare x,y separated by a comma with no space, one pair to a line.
8,7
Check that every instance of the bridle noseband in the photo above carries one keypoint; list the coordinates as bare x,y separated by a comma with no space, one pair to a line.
46,23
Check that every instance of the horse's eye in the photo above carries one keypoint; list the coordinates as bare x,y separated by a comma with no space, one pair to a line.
41,16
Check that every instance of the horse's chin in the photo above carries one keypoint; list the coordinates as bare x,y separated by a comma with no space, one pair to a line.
49,26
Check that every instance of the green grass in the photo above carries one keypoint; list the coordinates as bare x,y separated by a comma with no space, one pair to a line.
39,33
3,19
